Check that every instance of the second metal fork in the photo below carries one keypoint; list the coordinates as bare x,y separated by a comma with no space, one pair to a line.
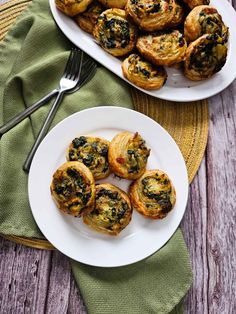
68,81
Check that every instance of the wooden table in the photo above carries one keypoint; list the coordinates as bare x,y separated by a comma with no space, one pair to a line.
38,281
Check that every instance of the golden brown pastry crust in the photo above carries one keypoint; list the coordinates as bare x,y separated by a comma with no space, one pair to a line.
88,19
193,3
119,4
73,188
128,155
115,33
204,19
204,57
72,7
178,16
91,151
112,212
153,195
165,48
151,15
142,73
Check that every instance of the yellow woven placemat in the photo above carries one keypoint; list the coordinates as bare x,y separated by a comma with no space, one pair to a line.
187,123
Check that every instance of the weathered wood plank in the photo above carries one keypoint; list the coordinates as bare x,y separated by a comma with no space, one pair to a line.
24,276
222,201
59,284
194,230
76,304
36,281
211,236
210,220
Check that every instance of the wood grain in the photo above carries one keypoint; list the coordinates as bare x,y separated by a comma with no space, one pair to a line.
36,281
24,278
209,224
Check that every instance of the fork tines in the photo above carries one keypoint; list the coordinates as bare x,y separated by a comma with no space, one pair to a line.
74,64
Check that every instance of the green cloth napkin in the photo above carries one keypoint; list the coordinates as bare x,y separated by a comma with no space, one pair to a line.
32,58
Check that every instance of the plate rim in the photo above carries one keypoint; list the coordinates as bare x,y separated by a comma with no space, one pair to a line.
113,109
166,92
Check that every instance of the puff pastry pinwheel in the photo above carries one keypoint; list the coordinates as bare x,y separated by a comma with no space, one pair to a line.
143,73
164,48
151,15
128,155
92,152
88,19
204,57
73,188
153,195
204,19
119,4
72,7
115,33
112,212
193,3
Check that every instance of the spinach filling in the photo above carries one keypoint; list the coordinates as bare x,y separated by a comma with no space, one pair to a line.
160,197
72,185
92,154
115,34
181,40
110,206
142,68
142,9
77,142
210,23
137,153
210,56
108,193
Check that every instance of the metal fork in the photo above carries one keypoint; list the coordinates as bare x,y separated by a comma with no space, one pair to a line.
88,70
68,81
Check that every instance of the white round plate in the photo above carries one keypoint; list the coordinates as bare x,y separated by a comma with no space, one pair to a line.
142,237
177,88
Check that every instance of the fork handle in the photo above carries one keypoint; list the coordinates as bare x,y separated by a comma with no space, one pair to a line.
43,131
24,114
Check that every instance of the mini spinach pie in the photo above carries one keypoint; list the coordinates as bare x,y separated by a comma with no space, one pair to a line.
112,212
143,73
114,32
163,48
204,19
73,188
153,195
128,155
92,152
119,4
72,7
193,3
204,57
151,15
88,19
